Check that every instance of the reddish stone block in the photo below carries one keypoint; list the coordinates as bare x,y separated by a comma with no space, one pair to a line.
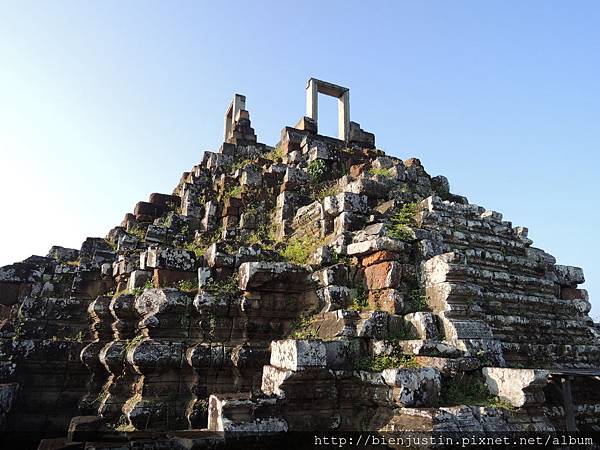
164,200
168,278
389,300
573,294
383,275
379,257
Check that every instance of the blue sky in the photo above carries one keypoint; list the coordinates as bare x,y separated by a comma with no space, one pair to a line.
102,103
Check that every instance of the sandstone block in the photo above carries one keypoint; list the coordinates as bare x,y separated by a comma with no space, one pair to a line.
384,275
272,276
379,257
424,324
345,202
170,258
373,245
138,279
569,276
294,354
413,387
389,300
519,387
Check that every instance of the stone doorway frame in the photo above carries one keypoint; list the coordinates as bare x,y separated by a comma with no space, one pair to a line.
315,87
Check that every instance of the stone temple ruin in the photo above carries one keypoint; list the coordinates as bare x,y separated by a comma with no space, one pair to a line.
315,285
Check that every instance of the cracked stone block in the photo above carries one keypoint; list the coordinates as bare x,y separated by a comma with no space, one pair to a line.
294,354
379,257
385,275
449,366
373,324
334,297
345,202
427,348
127,242
62,254
138,279
156,234
272,275
569,276
170,258
373,245
519,387
216,258
242,416
424,324
348,221
389,300
414,387
336,274
204,276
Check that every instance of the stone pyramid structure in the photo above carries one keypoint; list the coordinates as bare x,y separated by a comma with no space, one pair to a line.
319,284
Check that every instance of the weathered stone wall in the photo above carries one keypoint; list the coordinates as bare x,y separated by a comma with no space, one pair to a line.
318,284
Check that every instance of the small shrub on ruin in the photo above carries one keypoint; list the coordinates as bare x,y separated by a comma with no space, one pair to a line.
275,155
386,173
316,171
240,164
417,300
222,289
402,221
298,250
198,250
234,191
458,391
187,286
138,231
377,363
326,192
148,285
302,329
360,300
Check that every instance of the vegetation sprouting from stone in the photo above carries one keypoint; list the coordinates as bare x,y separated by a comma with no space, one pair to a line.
275,155
416,299
138,231
360,299
316,171
240,164
133,342
402,222
386,173
462,391
302,329
298,250
222,289
377,363
188,286
332,189
233,191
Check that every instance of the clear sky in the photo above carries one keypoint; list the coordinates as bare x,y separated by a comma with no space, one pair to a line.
102,103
